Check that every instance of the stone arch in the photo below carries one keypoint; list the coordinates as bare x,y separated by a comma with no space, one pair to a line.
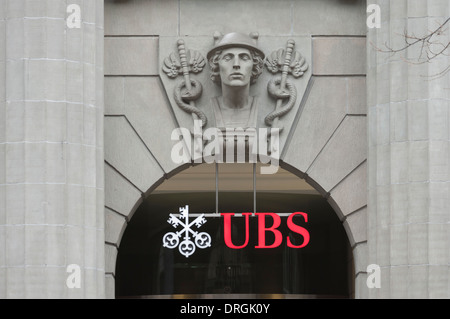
326,144
344,191
351,214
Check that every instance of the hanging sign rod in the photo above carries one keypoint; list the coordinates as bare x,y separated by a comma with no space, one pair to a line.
216,215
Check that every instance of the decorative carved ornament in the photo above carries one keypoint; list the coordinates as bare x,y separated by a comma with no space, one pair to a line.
231,93
187,91
280,87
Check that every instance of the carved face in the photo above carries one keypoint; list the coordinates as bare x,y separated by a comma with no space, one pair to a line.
235,66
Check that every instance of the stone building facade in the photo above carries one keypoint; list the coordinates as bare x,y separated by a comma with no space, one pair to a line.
86,116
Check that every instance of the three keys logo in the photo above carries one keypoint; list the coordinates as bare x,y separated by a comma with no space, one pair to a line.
187,246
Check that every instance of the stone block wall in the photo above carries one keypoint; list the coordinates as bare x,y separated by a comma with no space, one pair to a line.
408,153
51,149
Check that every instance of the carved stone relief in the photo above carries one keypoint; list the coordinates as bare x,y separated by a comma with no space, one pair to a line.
281,88
188,90
229,81
235,62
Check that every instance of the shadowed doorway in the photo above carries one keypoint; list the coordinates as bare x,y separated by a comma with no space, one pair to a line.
324,268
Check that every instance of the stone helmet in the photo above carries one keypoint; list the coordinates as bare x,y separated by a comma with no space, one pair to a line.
235,39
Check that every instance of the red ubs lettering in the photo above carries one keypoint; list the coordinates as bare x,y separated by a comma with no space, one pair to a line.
262,230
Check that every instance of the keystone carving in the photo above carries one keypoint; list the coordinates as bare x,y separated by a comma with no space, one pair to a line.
235,80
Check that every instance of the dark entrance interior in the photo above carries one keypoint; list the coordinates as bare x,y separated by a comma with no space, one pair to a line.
321,269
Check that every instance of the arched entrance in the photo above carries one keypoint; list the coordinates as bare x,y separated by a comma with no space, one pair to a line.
324,268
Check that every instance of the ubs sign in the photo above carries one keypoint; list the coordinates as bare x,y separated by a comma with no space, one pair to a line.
202,240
